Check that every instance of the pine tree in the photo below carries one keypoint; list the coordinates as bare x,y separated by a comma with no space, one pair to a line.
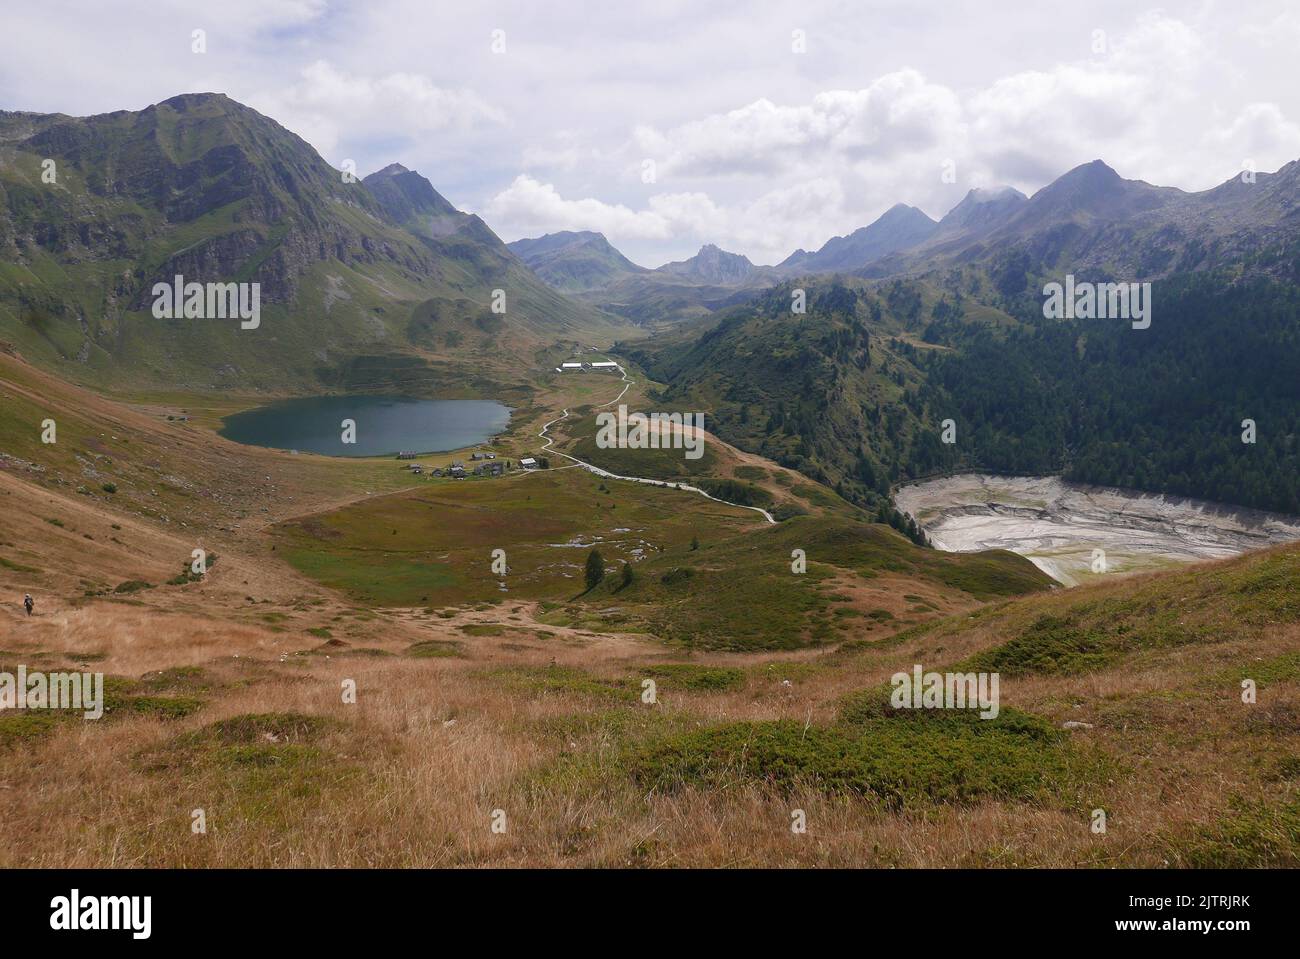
595,569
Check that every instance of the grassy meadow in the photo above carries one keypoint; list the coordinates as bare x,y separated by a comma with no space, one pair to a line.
350,683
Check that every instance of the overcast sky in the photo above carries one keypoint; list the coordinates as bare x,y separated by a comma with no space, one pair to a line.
755,146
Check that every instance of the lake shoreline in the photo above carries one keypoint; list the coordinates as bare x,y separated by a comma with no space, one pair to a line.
368,425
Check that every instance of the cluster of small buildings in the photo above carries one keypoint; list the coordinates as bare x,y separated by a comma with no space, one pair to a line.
601,366
457,470
486,464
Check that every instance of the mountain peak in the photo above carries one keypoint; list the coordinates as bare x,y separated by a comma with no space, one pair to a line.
201,104
559,240
899,227
1097,171
184,100
410,199
712,264
393,169
990,194
1095,191
901,209
574,260
982,209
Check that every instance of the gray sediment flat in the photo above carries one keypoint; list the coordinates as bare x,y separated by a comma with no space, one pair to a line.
1058,525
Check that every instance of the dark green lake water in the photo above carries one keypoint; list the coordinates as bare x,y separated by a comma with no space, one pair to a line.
385,424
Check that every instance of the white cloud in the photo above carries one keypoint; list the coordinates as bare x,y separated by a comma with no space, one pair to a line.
327,106
1260,130
1127,106
899,113
782,174
529,207
757,148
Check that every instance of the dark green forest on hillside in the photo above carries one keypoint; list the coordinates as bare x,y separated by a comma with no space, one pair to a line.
1159,409
824,393
840,395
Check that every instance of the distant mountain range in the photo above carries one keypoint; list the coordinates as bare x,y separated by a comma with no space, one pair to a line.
586,265
951,326
378,282
1089,219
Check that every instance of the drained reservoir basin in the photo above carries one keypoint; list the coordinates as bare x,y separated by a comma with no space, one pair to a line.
1060,526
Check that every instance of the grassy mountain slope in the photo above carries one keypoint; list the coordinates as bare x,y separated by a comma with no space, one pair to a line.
836,393
201,186
855,392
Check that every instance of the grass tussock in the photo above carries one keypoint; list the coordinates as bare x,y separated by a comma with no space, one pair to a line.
695,677
251,739
897,762
436,649
567,681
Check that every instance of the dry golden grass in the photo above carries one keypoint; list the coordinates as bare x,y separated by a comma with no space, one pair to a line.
411,773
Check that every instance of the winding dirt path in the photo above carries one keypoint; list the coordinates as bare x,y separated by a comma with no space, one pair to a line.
605,474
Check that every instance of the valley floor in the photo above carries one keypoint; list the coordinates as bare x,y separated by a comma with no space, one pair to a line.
505,720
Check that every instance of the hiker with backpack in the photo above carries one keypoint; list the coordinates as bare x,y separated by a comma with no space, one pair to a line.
28,603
